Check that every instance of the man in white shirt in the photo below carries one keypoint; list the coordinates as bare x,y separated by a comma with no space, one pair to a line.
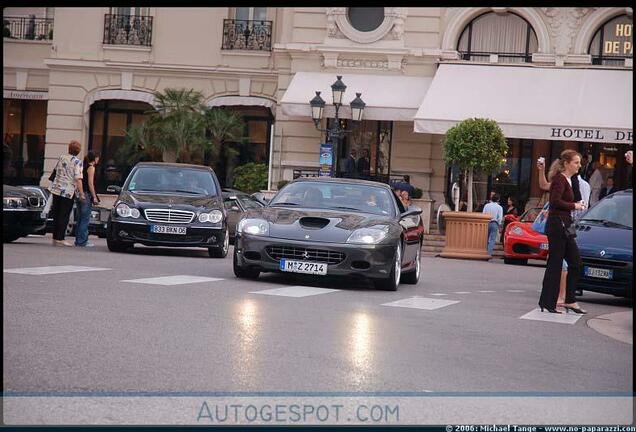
496,216
596,183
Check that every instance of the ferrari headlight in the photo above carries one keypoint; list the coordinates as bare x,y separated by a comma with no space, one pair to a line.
253,227
215,216
14,202
124,210
517,230
371,235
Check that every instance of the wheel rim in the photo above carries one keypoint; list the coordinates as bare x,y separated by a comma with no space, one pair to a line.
417,262
398,265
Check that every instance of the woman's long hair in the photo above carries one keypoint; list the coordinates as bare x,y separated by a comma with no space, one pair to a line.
555,168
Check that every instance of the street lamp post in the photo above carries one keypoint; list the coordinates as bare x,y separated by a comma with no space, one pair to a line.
336,132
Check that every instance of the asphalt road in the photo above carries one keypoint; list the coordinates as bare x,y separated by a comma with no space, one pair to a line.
96,331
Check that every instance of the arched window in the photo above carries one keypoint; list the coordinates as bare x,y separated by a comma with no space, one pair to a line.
508,35
613,42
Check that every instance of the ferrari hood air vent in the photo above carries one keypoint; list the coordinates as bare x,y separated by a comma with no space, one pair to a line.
313,222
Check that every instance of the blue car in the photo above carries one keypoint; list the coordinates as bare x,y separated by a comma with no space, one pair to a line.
604,237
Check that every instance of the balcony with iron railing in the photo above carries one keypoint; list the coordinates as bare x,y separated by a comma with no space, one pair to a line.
248,35
133,30
27,28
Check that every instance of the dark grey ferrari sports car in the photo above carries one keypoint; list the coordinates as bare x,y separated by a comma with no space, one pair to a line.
334,227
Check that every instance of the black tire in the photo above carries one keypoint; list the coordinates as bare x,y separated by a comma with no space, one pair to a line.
413,276
221,252
515,261
115,245
10,238
391,283
243,273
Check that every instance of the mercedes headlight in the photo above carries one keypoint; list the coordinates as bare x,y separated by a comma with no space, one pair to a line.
124,210
371,235
253,227
14,202
215,216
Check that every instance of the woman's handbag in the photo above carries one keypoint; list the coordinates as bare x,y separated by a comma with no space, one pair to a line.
54,172
539,223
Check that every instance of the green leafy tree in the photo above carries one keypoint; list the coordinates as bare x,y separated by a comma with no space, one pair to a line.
475,145
251,177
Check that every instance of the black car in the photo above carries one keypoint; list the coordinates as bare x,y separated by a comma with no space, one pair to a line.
606,245
169,204
236,204
21,213
338,227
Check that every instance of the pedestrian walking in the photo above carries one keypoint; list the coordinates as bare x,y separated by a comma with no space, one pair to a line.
64,186
85,206
350,165
608,189
496,216
561,236
363,165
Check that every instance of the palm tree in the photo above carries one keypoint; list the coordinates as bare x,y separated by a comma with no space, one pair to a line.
173,101
223,125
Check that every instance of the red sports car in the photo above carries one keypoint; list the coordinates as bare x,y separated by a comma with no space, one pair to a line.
521,243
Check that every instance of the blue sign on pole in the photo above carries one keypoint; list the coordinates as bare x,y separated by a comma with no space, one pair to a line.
326,160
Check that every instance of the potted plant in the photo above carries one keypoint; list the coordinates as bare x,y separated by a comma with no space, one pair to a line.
474,145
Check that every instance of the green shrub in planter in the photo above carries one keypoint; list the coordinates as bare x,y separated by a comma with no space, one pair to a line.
475,145
251,177
417,193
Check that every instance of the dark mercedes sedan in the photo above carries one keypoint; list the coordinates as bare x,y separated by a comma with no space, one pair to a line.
21,213
332,227
169,204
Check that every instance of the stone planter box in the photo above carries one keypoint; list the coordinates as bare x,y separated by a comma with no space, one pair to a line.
427,208
466,235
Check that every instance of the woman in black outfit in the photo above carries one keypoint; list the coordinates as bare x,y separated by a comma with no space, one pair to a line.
562,245
510,209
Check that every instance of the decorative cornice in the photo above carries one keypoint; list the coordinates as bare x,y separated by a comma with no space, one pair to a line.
563,24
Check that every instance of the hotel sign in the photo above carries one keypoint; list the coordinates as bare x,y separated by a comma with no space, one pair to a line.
24,94
620,42
592,135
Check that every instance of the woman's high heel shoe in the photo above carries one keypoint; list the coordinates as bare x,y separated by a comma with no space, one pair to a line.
574,309
549,309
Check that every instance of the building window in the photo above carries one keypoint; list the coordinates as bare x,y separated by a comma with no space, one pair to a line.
507,35
613,42
128,26
365,19
24,130
250,30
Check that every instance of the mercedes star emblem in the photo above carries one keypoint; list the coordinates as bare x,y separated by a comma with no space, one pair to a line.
306,236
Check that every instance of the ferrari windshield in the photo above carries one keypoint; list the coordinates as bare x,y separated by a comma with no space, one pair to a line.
338,196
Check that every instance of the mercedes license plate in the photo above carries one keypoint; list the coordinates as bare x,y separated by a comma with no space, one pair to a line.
164,229
598,272
303,267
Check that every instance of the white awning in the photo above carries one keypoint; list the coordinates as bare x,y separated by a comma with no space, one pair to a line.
130,95
593,105
387,97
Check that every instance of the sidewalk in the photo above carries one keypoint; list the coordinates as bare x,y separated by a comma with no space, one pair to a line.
617,325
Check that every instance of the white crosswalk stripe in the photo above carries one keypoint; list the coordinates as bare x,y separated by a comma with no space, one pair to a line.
421,303
295,291
564,318
173,280
53,270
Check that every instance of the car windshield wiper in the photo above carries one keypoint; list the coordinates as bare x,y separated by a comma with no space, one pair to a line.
285,204
606,222
346,208
187,191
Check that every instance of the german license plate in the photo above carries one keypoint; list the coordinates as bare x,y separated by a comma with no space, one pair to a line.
303,267
544,246
598,272
164,229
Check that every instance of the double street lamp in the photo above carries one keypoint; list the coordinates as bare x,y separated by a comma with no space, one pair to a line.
336,132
